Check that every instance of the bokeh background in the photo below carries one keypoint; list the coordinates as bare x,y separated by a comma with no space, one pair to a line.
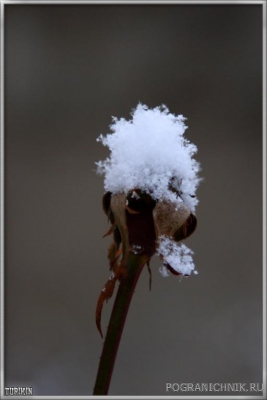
68,69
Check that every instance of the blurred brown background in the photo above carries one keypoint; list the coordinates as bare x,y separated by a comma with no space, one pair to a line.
68,69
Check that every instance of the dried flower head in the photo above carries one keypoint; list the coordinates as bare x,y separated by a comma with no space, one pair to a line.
150,181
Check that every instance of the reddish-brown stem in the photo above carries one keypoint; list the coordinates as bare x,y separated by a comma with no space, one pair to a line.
135,264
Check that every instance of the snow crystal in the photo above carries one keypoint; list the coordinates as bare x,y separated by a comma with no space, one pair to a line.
135,195
179,257
149,152
111,276
164,271
136,249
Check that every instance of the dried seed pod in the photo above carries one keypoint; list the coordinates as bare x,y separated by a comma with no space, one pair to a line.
169,217
186,229
137,223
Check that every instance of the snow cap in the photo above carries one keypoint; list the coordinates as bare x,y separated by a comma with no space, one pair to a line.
150,152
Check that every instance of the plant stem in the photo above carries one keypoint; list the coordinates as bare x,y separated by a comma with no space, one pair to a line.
135,264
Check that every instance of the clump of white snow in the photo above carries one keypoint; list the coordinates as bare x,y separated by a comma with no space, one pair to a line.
179,257
150,152
164,271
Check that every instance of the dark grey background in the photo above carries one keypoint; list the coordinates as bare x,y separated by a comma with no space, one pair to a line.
68,69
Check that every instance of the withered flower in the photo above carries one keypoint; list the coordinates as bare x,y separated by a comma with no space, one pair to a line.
150,181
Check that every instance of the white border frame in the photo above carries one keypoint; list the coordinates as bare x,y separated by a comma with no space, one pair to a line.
168,2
